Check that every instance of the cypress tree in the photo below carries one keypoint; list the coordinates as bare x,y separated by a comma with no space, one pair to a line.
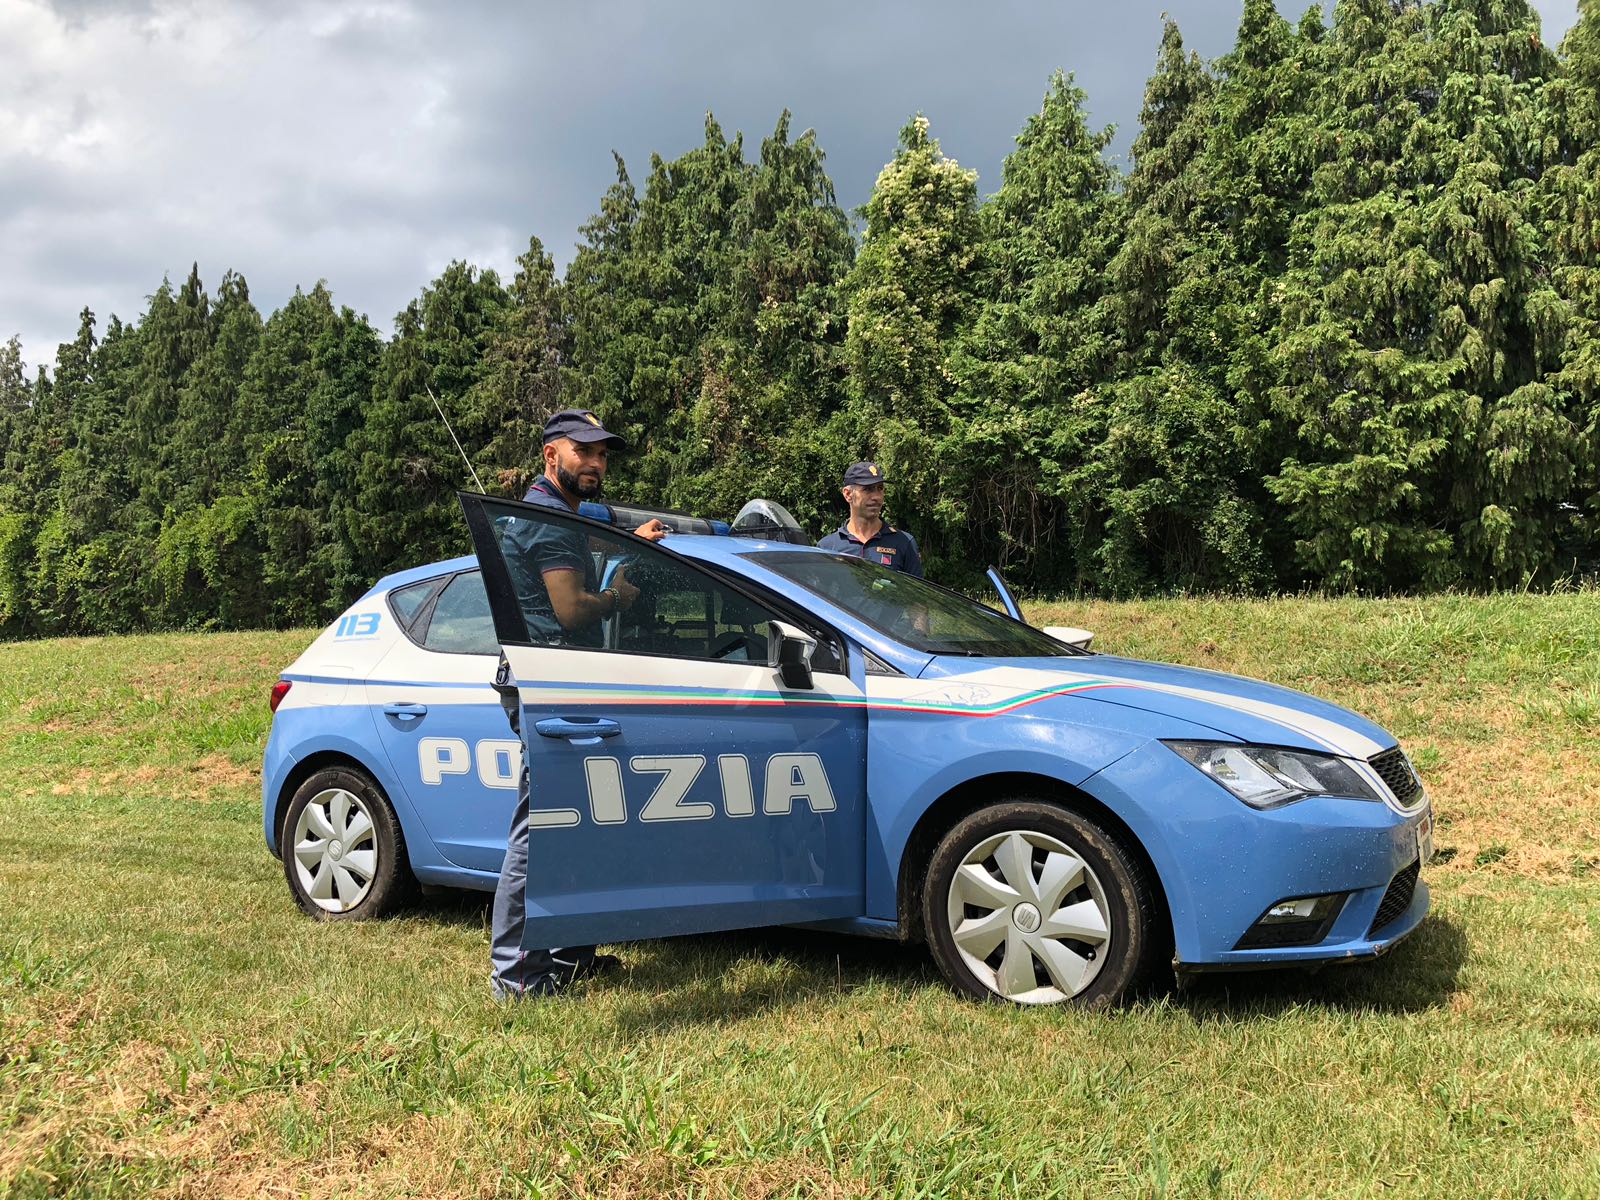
773,370
16,408
910,295
347,357
1407,355
525,372
1570,197
407,467
1024,414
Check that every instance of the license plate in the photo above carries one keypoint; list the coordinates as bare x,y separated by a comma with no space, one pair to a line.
1424,829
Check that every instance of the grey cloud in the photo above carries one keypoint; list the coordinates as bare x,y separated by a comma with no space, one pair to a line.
377,141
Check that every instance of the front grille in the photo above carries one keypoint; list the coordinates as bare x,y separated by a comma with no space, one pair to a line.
1396,899
1395,769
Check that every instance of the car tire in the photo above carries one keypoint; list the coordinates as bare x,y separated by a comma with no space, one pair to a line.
343,851
1032,903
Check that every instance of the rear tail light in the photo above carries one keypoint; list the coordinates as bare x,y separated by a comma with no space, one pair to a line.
279,691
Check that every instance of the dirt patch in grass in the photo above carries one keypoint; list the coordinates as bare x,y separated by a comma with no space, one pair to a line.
203,778
24,1145
1481,796
222,772
221,1155
663,1175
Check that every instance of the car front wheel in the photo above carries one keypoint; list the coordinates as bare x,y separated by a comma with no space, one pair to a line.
343,850
1032,903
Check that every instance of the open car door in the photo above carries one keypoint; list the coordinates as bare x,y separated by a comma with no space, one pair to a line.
697,756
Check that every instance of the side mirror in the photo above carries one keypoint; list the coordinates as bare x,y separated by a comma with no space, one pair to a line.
1079,639
789,649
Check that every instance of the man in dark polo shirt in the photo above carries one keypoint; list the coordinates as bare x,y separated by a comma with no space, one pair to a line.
551,567
865,535
553,574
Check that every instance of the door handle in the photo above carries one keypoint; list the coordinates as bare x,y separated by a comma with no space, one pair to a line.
580,731
406,711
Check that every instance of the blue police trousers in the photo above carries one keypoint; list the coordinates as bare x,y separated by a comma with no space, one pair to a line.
514,972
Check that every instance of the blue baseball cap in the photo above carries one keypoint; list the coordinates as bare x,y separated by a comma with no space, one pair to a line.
580,425
863,474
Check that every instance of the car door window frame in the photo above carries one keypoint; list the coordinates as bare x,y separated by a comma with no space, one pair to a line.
506,611
424,611
417,630
424,624
788,611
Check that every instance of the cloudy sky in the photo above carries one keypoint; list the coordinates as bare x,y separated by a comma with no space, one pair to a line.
371,143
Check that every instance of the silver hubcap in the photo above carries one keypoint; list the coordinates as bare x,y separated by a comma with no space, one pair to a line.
335,850
1029,918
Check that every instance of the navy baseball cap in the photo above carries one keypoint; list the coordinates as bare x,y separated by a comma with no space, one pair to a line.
863,474
580,425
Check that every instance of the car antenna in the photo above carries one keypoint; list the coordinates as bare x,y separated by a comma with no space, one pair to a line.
453,437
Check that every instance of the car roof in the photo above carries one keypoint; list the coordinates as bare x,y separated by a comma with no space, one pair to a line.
399,579
704,547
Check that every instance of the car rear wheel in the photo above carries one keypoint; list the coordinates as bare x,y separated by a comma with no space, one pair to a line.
343,851
1032,903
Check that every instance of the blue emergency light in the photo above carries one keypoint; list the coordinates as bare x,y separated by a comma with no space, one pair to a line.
763,519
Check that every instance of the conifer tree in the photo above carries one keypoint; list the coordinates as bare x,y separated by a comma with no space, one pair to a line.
347,357
407,467
525,374
1023,416
1167,250
604,305
1406,354
704,323
1221,166
271,508
773,368
16,404
1570,200
90,557
654,285
205,449
910,295
175,332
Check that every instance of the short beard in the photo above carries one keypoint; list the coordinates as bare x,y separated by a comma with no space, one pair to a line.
580,489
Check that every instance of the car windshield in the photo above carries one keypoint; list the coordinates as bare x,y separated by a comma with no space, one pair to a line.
910,610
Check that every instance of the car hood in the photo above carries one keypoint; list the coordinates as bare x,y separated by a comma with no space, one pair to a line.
1246,709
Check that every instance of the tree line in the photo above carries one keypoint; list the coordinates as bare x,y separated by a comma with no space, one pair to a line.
1338,327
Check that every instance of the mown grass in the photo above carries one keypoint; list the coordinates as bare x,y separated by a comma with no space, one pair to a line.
169,1025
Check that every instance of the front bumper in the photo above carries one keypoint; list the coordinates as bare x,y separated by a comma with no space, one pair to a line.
1222,864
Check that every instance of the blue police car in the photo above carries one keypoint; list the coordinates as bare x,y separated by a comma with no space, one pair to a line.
772,734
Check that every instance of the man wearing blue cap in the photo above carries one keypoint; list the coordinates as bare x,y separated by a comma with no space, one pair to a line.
866,535
551,567
553,572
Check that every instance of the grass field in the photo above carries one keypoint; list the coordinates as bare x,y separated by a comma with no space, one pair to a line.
170,1025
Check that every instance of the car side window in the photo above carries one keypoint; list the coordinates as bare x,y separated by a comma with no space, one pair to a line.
461,623
684,614
585,588
408,601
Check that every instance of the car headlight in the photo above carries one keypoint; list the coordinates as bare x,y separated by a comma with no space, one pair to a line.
1267,777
